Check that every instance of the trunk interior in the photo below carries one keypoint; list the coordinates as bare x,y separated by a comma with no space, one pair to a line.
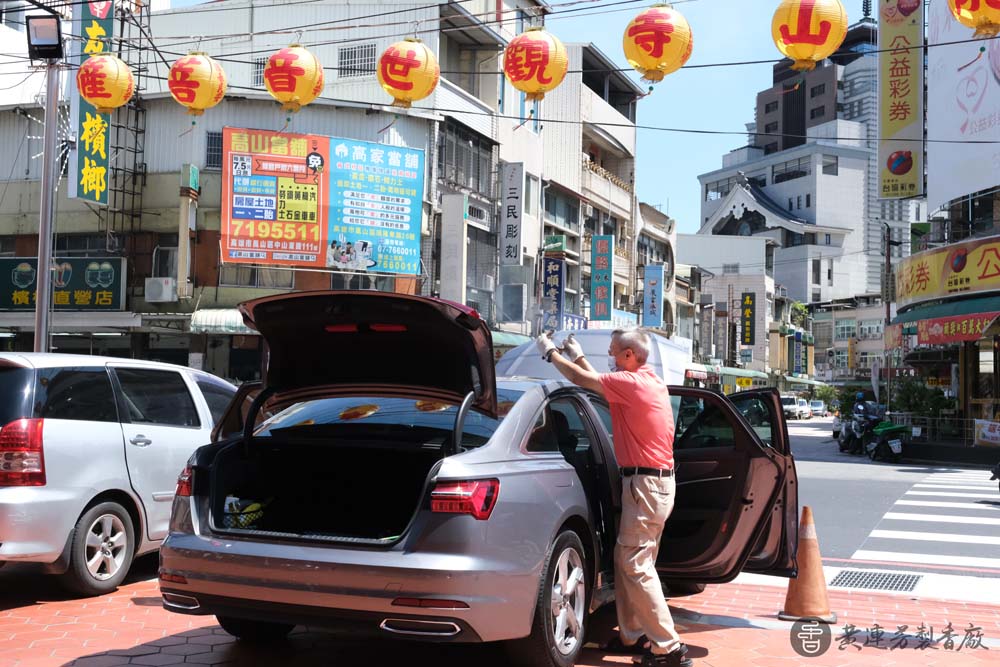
356,491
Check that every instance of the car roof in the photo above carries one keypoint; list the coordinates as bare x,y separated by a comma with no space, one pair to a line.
59,360
521,383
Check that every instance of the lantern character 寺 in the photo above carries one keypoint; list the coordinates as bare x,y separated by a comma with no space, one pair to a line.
658,42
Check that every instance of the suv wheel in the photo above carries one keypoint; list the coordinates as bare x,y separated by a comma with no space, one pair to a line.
559,626
257,632
101,550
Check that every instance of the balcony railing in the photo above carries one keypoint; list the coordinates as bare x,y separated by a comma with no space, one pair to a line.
604,173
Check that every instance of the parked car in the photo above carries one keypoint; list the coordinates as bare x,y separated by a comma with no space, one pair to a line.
794,408
402,490
819,409
805,412
90,448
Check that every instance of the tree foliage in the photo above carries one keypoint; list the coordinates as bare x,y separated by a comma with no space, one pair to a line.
799,314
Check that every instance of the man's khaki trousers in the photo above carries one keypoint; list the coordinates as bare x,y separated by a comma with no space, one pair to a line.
646,503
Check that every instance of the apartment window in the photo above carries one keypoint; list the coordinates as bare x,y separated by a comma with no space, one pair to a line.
810,238
798,201
816,296
808,201
845,329
12,15
6,246
731,269
790,207
870,328
258,72
719,189
80,245
530,195
831,165
213,150
241,275
829,272
562,210
466,159
760,181
917,217
827,239
355,61
818,112
816,268
815,91
770,128
770,107
771,148
787,171
840,358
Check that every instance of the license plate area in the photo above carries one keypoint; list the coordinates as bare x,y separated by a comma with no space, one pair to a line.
896,446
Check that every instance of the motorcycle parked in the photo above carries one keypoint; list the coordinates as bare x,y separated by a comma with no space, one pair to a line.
855,434
885,442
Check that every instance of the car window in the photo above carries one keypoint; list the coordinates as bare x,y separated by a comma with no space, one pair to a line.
559,428
81,394
15,393
604,412
218,397
756,413
699,423
156,397
787,400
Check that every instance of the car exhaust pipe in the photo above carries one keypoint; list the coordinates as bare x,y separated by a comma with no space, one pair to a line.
185,602
406,626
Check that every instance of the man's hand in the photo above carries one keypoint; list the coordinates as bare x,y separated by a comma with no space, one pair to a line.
546,346
572,349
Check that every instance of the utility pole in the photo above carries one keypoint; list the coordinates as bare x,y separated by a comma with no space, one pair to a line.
886,292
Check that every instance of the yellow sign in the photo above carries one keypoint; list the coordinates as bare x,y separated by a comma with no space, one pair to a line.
961,268
901,99
744,382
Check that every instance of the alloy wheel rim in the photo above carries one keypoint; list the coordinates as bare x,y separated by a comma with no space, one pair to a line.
106,547
568,602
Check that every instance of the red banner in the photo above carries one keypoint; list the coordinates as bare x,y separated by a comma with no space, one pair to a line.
893,336
944,330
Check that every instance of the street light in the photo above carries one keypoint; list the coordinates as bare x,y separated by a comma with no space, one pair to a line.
45,43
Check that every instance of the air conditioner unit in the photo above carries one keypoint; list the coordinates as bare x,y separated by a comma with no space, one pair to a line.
488,282
588,210
161,290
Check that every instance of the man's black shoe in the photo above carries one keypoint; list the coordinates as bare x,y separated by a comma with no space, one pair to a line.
673,659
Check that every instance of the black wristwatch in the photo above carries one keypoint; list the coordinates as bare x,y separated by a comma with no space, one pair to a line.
548,355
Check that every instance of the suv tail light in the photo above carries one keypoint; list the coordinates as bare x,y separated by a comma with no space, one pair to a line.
22,461
475,497
185,483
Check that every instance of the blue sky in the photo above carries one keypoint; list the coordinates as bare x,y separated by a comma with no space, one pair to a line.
713,98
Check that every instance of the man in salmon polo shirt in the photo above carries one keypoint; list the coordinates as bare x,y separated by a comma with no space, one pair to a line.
643,429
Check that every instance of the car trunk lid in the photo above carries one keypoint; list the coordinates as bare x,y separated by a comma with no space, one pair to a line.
375,338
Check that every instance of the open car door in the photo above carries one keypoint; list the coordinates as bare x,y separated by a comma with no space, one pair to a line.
730,483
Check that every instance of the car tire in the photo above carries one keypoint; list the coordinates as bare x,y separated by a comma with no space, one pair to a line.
254,632
676,589
102,547
540,648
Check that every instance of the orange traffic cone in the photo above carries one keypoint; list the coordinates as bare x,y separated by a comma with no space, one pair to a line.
806,597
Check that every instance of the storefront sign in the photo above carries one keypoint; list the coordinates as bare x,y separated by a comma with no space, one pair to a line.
961,268
744,383
512,211
987,433
555,281
945,330
797,361
93,31
893,336
311,200
901,101
748,316
78,283
652,296
602,271
574,322
555,243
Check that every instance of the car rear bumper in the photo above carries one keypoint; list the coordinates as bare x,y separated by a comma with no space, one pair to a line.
336,586
35,522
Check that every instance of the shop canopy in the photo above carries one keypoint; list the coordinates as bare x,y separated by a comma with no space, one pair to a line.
949,309
219,321
796,380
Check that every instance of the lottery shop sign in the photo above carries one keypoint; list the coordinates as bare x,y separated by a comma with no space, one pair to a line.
960,268
78,283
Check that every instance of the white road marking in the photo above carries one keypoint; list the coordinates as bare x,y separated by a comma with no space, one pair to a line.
966,486
949,518
955,506
952,495
927,559
935,537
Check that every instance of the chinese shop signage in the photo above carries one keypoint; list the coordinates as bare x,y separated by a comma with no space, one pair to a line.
652,296
511,213
960,268
944,330
317,201
93,26
602,271
901,100
748,316
555,281
78,283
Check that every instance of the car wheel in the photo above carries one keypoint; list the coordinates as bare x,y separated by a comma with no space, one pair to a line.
675,589
256,632
559,626
101,550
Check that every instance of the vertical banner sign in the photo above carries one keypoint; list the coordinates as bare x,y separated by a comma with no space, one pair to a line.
555,282
511,214
748,317
652,296
602,272
93,29
901,99
876,374
797,369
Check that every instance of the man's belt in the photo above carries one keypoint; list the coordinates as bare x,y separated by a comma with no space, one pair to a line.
653,472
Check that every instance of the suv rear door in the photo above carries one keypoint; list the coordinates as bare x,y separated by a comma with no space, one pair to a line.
162,427
729,484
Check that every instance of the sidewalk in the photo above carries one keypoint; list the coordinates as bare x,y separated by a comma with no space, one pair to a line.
726,626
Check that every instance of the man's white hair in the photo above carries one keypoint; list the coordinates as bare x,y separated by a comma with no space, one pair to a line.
636,340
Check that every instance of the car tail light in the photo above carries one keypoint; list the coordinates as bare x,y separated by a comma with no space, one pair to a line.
387,328
185,483
476,497
429,603
171,578
22,459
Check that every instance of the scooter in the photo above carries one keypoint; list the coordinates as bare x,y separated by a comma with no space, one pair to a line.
885,442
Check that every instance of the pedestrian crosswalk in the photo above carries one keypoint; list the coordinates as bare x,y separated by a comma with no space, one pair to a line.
951,518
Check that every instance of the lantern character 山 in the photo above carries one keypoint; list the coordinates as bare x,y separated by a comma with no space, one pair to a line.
803,30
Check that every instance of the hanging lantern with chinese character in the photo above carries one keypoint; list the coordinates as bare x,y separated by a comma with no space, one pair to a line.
807,31
197,82
294,77
408,71
982,15
658,42
105,82
535,62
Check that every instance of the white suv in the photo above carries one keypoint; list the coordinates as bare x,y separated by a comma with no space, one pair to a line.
90,449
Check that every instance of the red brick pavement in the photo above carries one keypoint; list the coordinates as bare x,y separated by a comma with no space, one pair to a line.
726,626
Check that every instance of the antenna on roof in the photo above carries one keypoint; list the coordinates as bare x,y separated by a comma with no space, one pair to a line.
867,9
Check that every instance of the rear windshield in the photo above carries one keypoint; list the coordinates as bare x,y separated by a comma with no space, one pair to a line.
787,400
15,393
373,415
